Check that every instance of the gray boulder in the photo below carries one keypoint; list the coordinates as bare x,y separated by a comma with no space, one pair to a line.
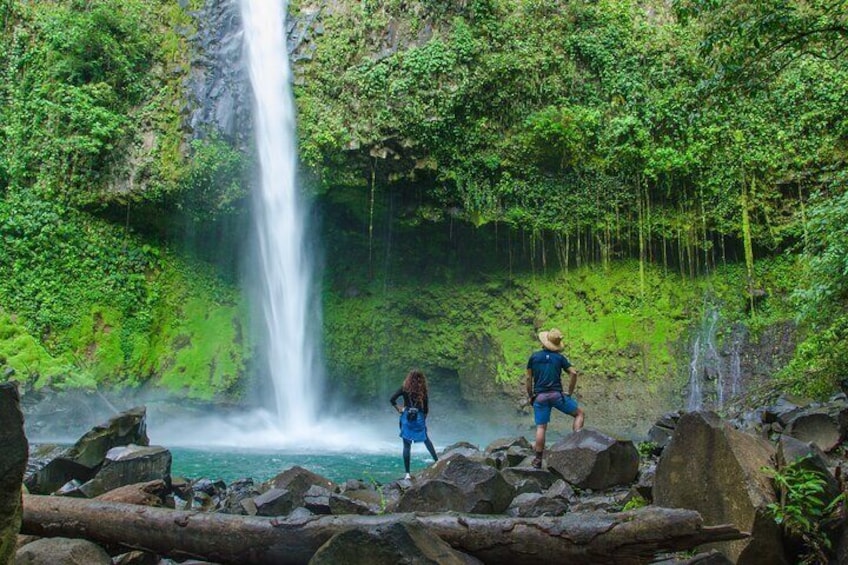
62,551
458,483
714,469
815,425
13,461
590,459
275,502
811,458
298,480
129,465
81,461
389,545
532,505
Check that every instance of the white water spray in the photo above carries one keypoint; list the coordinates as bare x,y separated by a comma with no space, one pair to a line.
287,300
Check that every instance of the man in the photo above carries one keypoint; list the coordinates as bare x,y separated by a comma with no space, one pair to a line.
544,388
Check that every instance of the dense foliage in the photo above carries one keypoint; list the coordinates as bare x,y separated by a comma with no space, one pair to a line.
690,139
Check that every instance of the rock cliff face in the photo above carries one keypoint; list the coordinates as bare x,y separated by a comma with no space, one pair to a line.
13,458
217,88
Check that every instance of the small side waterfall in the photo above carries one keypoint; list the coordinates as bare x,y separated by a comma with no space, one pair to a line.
714,377
288,297
706,366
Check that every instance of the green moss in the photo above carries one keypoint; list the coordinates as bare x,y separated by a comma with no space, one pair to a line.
32,363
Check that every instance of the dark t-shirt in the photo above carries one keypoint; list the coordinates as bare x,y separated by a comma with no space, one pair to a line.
547,367
407,400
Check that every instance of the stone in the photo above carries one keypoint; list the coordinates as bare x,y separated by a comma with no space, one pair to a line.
298,480
275,502
717,470
458,483
395,543
590,459
62,551
815,426
811,458
13,461
531,505
83,459
341,504
127,465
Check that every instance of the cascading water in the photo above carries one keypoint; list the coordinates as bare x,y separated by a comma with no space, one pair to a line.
705,363
288,297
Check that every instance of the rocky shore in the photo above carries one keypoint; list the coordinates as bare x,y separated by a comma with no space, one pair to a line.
699,479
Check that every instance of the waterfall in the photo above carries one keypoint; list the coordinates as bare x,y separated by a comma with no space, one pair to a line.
705,363
288,300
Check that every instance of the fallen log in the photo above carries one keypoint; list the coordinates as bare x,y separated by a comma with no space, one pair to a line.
627,537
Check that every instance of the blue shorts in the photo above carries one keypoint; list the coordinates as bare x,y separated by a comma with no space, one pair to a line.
546,400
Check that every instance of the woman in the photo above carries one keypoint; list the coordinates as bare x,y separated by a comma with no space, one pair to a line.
413,414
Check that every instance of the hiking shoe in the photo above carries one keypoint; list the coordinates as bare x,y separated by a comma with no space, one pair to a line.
407,477
537,461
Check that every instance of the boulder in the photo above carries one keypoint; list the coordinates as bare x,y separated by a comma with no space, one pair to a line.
791,450
462,448
815,425
62,551
82,460
129,465
532,505
297,481
662,430
317,500
528,479
717,470
275,502
458,483
590,459
342,504
238,492
13,461
504,444
399,542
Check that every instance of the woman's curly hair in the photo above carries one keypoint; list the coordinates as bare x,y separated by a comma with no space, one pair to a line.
415,384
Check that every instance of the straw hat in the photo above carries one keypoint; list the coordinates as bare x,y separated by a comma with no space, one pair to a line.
552,340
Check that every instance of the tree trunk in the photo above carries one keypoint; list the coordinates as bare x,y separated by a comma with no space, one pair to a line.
626,537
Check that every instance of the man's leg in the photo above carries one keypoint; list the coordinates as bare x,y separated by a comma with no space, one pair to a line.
578,420
539,446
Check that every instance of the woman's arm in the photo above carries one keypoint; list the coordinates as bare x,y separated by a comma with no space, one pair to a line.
394,398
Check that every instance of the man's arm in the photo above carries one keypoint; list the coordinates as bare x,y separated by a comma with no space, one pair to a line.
573,382
529,383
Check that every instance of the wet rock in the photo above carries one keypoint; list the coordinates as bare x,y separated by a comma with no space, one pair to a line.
815,426
317,500
811,458
532,505
298,480
715,469
62,551
127,465
462,448
528,479
663,429
395,543
341,504
13,458
460,484
83,459
590,459
275,502
238,492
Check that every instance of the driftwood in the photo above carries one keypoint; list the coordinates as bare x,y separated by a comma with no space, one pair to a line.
626,537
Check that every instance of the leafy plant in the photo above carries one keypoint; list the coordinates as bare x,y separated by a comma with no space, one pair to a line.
801,508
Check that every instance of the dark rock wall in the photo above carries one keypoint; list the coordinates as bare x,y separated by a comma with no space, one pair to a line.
14,451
